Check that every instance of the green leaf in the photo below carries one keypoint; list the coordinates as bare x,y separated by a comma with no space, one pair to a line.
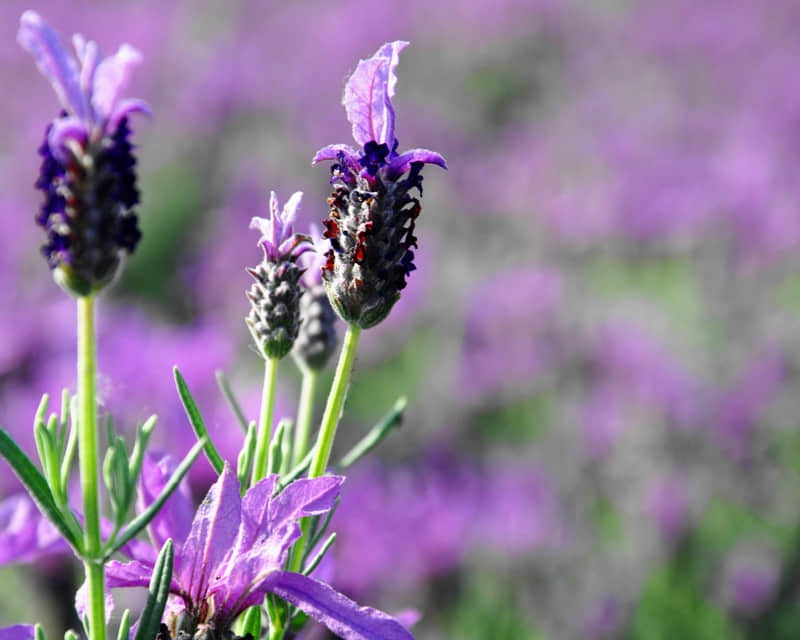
123,633
70,634
314,563
72,442
275,455
245,459
150,622
295,473
375,435
38,633
252,622
193,413
233,403
139,447
144,518
37,487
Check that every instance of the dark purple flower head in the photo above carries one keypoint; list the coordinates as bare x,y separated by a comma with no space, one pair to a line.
87,173
274,317
235,552
372,212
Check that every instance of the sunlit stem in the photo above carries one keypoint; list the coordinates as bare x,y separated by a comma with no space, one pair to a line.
336,397
88,456
305,415
265,420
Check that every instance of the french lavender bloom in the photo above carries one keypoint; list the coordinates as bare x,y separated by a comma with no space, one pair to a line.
372,212
234,554
316,340
274,317
87,173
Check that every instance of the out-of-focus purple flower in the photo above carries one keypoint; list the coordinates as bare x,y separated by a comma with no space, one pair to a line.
87,173
17,632
274,318
372,217
751,576
235,552
511,331
26,535
668,507
741,407
603,619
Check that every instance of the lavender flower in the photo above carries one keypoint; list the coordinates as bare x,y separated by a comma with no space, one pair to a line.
234,555
316,341
372,212
274,317
87,173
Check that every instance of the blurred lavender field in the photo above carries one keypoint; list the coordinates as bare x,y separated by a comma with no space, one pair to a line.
600,345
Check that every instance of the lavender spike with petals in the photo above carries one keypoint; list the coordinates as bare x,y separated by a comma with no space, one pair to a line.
372,210
316,340
274,318
87,173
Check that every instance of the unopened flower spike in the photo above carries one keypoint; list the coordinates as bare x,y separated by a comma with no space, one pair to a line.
372,210
274,317
316,340
87,173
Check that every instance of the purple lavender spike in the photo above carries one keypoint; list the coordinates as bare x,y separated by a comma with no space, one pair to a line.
87,173
372,212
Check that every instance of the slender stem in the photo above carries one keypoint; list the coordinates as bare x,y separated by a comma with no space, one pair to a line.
333,409
265,420
88,455
305,414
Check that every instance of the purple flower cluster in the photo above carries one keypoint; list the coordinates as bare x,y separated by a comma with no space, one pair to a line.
87,172
373,214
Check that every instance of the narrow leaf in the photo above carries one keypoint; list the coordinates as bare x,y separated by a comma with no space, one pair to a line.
252,622
275,456
158,593
144,518
139,447
225,387
314,563
296,472
193,413
38,633
37,487
245,460
375,435
123,633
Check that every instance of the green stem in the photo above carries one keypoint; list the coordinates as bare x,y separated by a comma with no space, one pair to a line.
265,420
87,453
305,415
333,409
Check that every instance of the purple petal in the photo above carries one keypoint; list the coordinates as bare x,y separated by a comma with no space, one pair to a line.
64,130
124,108
367,96
290,210
399,165
174,520
391,51
82,602
130,574
214,529
88,58
332,151
17,632
111,78
58,66
304,497
25,534
337,612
